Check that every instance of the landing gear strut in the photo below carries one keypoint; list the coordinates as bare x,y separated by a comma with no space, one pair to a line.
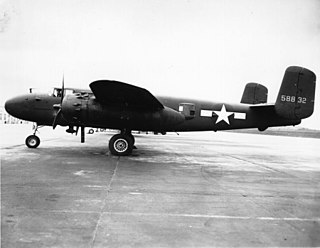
33,141
121,144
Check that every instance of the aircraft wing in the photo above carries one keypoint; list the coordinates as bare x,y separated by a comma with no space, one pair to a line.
122,95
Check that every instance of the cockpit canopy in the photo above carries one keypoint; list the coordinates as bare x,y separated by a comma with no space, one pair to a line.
57,92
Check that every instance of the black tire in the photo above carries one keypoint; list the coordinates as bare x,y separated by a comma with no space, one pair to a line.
121,145
32,141
91,131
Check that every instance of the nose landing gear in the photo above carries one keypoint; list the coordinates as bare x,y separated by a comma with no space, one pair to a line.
33,141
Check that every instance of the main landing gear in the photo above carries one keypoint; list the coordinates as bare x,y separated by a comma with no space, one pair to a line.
122,144
33,141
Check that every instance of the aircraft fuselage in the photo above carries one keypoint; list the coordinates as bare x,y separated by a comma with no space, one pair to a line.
178,115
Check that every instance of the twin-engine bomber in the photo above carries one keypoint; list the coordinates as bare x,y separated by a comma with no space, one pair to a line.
125,107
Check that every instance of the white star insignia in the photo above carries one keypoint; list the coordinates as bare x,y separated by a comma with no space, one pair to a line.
223,115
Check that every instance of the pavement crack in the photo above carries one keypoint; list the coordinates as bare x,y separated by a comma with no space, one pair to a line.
268,168
108,189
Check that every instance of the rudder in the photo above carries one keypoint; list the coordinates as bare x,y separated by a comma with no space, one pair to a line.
296,96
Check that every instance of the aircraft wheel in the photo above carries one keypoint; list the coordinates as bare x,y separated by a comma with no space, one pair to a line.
91,131
121,145
32,141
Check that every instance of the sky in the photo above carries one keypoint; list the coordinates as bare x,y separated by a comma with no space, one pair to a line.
194,48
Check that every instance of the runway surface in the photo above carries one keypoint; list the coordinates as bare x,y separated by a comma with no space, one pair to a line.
192,190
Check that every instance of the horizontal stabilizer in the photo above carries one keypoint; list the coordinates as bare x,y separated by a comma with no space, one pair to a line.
122,95
254,93
263,106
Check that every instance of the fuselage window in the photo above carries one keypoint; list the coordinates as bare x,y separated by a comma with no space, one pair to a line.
188,110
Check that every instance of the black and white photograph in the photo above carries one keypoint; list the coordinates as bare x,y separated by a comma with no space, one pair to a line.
159,123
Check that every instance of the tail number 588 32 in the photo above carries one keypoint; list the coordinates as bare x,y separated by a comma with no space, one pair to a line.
285,98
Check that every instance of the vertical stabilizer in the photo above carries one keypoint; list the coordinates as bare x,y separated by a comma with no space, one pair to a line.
296,96
254,93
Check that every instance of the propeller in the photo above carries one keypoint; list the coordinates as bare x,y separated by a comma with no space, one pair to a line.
58,106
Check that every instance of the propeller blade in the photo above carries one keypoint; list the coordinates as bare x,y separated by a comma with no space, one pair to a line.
55,121
58,106
62,89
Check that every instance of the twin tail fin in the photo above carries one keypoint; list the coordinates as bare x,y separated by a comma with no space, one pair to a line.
296,95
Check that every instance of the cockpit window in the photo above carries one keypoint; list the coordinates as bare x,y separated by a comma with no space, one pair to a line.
57,92
48,91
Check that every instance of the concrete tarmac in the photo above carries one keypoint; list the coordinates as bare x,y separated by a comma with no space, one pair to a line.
192,190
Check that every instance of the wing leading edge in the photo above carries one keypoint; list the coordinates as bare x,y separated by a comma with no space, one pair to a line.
119,94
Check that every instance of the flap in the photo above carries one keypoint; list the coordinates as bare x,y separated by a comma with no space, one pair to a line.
124,95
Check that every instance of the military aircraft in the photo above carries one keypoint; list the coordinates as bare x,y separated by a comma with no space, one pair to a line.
125,107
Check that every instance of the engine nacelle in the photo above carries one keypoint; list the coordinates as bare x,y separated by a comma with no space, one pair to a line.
75,108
